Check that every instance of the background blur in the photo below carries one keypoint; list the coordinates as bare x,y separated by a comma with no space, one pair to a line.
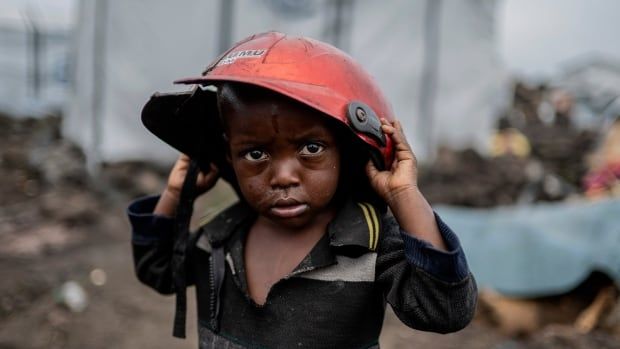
511,106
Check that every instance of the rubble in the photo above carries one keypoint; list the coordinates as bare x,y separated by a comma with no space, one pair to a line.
565,337
603,178
73,296
586,317
135,178
98,277
539,155
611,323
37,241
591,317
512,316
465,178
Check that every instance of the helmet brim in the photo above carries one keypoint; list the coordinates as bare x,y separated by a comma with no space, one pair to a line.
189,122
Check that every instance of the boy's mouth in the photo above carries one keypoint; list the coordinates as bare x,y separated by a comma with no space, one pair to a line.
288,208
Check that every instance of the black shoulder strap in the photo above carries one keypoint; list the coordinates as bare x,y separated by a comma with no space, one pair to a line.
218,270
184,214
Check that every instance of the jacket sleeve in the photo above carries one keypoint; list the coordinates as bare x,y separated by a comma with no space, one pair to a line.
428,289
152,242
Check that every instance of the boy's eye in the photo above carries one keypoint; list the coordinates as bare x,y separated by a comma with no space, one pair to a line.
312,149
255,155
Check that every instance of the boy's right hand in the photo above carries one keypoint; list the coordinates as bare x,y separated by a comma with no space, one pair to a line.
170,197
204,182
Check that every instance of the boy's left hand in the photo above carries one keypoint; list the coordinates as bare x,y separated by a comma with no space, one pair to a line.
398,187
402,175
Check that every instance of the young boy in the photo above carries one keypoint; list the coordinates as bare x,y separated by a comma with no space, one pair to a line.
310,254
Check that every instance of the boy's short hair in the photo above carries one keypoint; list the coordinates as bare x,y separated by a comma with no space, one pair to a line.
230,93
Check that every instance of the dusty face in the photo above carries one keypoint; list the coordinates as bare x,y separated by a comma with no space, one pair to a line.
286,160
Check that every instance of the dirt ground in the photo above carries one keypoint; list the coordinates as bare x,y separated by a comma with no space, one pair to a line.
57,225
121,313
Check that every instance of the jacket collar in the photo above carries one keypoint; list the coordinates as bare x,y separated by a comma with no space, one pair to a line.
357,224
223,225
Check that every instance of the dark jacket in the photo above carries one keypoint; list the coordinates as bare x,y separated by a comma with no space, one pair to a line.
335,298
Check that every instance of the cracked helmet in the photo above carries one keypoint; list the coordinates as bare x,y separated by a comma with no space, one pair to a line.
306,70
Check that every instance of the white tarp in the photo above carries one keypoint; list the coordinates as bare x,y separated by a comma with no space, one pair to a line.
147,45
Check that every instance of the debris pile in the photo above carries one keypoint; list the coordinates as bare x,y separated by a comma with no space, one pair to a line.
50,215
44,195
589,309
538,154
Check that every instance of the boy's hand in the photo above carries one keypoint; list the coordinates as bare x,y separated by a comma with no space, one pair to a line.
398,186
169,199
204,182
402,175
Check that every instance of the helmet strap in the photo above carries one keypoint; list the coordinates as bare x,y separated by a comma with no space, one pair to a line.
179,267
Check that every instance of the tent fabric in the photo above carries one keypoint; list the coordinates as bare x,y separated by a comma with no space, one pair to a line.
540,250
145,53
142,54
20,96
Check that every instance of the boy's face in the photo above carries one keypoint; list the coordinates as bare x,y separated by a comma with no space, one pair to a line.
285,157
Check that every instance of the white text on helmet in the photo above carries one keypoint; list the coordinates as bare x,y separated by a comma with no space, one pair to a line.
233,56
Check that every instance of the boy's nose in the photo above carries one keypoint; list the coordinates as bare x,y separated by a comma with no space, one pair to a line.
284,173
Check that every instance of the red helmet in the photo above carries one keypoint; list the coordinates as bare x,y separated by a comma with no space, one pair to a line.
309,71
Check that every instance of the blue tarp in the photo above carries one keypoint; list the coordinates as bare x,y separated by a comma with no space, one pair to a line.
539,250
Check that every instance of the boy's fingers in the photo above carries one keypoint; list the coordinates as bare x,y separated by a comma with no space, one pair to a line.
395,130
402,148
387,129
214,168
400,143
182,162
371,169
401,134
213,173
183,159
